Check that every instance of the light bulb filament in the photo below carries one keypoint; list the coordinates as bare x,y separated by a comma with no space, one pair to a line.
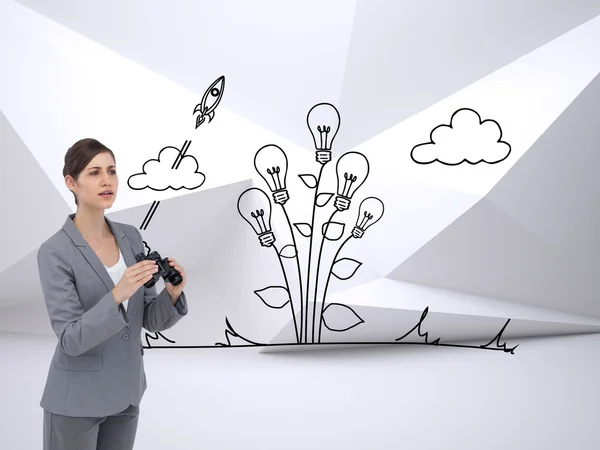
323,132
348,180
259,216
274,172
366,219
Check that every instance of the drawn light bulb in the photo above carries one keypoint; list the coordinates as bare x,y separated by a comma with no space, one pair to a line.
369,212
255,208
323,120
352,169
272,165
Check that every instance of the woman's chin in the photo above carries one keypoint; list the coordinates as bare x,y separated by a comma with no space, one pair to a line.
107,202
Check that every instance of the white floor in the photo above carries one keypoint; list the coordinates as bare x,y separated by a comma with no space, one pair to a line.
544,397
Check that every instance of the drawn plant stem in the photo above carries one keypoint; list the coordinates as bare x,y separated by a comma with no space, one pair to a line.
312,226
317,274
298,335
287,286
327,284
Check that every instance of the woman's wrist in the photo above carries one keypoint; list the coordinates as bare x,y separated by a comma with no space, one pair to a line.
115,296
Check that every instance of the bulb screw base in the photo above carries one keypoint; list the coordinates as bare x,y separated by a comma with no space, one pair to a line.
341,203
358,232
323,156
266,239
281,197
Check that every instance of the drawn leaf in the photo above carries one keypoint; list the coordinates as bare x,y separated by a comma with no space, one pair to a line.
333,230
304,229
323,198
338,317
345,268
289,251
309,180
274,296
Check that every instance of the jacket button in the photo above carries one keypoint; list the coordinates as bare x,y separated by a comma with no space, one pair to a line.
125,336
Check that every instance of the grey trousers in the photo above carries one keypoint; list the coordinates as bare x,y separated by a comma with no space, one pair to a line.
116,432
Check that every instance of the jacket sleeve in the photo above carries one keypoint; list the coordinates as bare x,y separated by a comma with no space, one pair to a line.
77,330
159,312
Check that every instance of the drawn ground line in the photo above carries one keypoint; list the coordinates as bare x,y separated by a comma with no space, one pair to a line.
477,347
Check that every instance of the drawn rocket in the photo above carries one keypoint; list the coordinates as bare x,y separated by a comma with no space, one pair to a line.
210,100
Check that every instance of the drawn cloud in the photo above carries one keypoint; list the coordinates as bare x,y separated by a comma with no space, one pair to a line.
466,139
173,169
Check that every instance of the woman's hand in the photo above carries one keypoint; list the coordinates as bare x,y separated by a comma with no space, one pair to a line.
133,278
175,291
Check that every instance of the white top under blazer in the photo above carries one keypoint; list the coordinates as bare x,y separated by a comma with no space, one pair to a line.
116,272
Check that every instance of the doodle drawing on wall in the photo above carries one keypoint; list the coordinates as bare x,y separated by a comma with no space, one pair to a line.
310,312
466,139
174,169
209,102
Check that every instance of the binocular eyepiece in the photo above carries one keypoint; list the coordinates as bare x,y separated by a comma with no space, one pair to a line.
168,273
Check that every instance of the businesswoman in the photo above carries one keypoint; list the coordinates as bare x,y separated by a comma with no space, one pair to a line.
97,305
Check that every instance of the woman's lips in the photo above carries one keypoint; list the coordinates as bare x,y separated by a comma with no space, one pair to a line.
106,195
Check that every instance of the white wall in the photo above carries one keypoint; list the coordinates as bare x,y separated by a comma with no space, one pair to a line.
545,396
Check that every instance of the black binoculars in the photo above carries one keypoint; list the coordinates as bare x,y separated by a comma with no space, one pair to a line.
168,273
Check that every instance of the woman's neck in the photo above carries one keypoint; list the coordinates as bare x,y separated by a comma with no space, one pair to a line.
91,224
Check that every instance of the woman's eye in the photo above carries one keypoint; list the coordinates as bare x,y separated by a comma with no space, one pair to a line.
114,172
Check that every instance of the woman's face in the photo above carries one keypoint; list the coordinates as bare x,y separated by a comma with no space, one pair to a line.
99,176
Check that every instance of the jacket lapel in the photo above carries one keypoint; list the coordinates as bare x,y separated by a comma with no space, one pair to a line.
88,253
123,242
128,256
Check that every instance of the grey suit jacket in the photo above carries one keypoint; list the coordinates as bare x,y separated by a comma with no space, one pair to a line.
97,368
